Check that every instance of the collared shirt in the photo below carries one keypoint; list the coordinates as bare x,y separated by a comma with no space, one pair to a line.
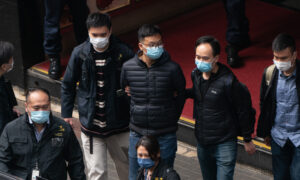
38,135
287,121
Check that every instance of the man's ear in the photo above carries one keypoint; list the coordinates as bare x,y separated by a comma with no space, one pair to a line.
294,58
295,54
110,31
140,46
2,67
217,58
26,107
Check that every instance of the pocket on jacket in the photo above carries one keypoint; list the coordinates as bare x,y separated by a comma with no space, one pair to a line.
83,106
138,114
19,145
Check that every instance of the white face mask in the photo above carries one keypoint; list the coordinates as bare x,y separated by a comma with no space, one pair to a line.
282,66
99,42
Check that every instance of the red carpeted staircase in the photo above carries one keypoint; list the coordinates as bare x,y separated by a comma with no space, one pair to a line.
266,21
180,34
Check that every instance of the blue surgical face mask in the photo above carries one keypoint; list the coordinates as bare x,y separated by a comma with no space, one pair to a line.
39,117
154,52
203,66
146,163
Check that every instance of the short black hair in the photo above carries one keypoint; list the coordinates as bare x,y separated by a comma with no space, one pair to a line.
31,90
283,41
6,52
148,30
212,41
151,145
98,20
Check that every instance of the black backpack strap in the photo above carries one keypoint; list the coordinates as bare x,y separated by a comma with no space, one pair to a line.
228,86
269,74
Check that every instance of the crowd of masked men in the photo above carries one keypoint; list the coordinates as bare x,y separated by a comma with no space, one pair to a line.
129,105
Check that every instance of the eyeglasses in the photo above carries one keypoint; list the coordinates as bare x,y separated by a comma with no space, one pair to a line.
153,44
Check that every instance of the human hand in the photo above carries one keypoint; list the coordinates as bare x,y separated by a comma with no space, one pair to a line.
249,147
69,121
267,140
16,111
127,90
175,93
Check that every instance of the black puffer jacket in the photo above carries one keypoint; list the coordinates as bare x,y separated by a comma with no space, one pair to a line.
154,109
221,112
82,68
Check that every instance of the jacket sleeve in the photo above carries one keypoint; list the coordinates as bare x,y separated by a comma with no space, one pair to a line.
68,87
189,93
263,88
242,104
11,94
129,54
2,118
5,152
179,86
123,79
73,155
261,127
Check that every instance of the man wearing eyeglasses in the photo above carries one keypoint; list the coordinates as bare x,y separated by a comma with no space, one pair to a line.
38,144
156,85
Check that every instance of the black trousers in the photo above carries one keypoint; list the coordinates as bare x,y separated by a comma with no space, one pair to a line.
238,24
53,12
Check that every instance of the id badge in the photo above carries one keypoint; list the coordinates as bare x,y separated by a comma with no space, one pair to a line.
35,173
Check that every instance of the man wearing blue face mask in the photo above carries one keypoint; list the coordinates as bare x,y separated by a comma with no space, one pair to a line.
279,122
156,85
39,144
222,110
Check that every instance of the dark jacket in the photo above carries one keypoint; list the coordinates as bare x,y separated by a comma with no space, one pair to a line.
154,109
162,171
222,112
81,68
20,151
268,101
7,102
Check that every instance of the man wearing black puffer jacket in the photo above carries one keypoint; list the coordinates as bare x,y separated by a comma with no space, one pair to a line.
222,110
103,107
156,85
